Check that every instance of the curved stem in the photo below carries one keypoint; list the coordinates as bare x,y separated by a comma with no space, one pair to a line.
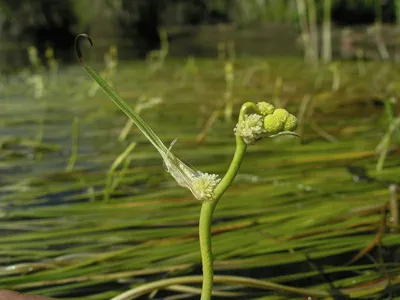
135,293
208,207
206,215
118,101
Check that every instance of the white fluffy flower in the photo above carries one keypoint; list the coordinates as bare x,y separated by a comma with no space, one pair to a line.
251,128
203,186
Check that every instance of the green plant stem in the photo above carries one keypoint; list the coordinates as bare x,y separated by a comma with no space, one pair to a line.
208,207
312,20
206,215
305,30
110,185
75,141
135,293
39,139
121,104
326,32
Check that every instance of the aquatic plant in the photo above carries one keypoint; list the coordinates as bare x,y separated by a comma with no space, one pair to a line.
37,83
393,132
110,69
33,57
36,79
188,72
111,60
142,104
360,55
52,63
74,147
156,58
307,15
277,91
300,199
334,69
113,181
326,31
255,122
199,183
226,54
376,31
229,70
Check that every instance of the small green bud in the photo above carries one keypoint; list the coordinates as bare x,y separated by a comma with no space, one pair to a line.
281,114
265,108
291,123
273,124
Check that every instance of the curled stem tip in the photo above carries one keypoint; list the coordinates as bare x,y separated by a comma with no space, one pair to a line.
77,45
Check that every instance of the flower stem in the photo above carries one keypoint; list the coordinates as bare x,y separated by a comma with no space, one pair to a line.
208,207
206,215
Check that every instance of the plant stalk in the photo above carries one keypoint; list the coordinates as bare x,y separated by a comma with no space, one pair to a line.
305,31
207,212
312,20
326,32
135,293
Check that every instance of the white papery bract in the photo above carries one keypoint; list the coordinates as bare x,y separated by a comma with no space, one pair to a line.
201,184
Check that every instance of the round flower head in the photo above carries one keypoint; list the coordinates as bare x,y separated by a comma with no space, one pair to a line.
291,123
265,108
203,186
200,184
281,114
273,124
250,128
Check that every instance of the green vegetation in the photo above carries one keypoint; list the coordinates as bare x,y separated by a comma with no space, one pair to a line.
138,21
255,121
304,217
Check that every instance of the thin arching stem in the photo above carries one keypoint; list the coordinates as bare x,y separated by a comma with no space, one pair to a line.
135,293
206,215
118,101
82,36
208,207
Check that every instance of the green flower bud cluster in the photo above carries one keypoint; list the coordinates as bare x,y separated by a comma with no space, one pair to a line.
266,120
280,120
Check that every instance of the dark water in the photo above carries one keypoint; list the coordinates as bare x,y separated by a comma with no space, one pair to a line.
203,41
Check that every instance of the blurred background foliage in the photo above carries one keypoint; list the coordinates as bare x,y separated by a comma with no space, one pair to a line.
55,23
